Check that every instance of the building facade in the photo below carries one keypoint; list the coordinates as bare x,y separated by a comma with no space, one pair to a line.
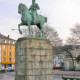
68,64
0,56
7,52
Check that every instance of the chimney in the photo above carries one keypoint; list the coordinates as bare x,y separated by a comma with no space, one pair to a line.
8,36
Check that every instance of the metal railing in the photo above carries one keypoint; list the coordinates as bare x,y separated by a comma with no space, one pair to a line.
71,77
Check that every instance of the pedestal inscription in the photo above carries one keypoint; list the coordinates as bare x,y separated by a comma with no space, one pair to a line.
34,59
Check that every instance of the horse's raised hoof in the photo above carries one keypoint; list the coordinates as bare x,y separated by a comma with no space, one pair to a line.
20,32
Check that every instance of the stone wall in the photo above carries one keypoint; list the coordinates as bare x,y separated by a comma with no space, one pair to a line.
34,59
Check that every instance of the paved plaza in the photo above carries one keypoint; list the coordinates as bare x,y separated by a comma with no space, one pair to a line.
57,75
71,74
7,76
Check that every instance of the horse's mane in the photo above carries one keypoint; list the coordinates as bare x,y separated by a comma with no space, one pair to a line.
24,5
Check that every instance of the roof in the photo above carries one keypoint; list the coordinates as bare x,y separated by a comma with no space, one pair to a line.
5,37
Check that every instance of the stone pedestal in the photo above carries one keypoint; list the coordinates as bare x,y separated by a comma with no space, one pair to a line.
34,59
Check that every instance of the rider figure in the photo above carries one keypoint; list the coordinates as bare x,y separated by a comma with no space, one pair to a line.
34,7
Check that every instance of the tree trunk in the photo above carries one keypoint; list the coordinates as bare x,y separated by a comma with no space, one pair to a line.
73,64
73,67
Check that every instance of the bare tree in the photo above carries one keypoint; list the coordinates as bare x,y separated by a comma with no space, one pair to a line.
49,33
75,35
68,49
76,31
72,41
34,32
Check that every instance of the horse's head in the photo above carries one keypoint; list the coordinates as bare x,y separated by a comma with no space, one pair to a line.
21,8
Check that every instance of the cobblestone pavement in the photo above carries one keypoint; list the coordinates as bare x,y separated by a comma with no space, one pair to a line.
7,76
57,75
58,72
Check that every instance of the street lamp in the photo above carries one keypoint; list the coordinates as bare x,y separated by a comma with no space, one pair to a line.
14,29
17,29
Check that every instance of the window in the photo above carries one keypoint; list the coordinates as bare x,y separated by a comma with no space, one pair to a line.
5,41
4,53
10,54
4,59
10,47
9,59
13,42
9,42
4,47
0,48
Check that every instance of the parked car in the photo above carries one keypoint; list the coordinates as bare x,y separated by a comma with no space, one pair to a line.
2,70
9,69
13,68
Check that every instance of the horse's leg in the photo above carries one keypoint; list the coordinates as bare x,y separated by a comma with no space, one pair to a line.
42,31
29,29
39,33
19,28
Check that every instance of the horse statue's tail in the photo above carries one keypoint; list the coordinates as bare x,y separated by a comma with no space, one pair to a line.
45,19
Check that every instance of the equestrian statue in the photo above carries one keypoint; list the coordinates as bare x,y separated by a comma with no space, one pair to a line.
30,17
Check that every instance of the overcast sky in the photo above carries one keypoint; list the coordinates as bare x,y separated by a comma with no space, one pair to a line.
62,15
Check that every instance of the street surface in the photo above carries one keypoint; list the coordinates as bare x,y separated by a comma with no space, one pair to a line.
57,74
7,76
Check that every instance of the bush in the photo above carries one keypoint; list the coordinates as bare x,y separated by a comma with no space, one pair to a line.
57,68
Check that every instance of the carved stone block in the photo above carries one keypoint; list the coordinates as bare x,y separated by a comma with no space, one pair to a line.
33,59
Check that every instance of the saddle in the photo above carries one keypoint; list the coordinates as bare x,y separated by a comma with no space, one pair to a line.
35,18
